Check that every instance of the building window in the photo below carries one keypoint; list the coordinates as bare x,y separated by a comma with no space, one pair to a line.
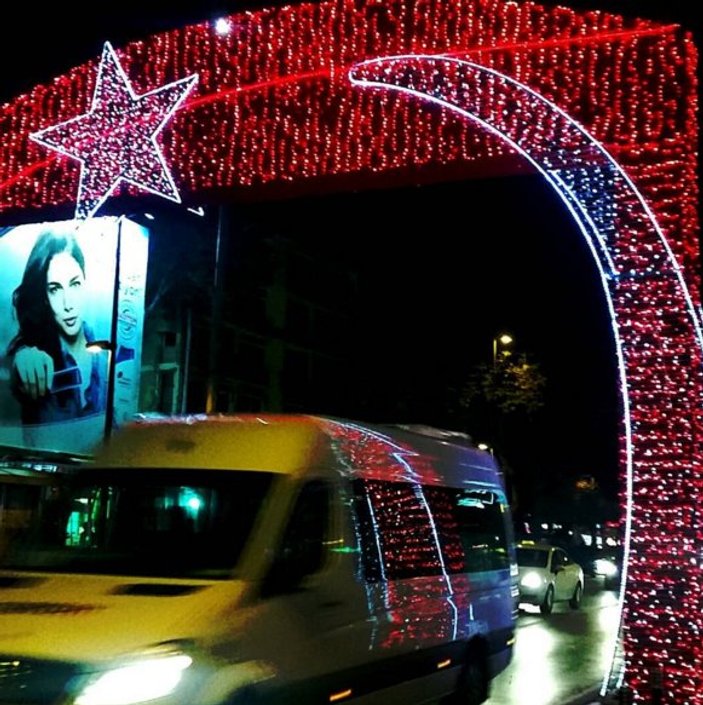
166,391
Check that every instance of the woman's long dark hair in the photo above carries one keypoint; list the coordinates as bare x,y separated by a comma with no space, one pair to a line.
37,326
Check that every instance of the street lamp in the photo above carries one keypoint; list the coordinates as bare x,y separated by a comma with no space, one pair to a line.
503,340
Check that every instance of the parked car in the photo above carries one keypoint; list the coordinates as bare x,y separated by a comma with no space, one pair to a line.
608,564
604,562
547,574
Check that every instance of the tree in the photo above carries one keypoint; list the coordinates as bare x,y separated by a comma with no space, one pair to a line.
499,403
511,386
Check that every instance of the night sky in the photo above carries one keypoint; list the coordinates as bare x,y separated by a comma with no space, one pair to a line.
43,41
445,267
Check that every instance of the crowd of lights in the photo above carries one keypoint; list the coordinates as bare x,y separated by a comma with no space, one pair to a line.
274,105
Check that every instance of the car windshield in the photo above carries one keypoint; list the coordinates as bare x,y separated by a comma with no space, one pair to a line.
532,557
145,522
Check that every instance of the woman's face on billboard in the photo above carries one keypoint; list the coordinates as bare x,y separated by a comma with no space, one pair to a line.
64,289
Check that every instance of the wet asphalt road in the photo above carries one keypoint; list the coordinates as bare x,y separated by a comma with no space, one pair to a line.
560,656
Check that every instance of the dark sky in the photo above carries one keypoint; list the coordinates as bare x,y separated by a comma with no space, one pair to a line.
450,265
43,41
445,267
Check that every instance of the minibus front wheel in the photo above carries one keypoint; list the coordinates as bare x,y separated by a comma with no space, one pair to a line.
472,686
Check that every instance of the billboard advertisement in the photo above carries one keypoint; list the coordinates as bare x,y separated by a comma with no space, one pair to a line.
57,291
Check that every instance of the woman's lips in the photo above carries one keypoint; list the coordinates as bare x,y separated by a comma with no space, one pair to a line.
70,322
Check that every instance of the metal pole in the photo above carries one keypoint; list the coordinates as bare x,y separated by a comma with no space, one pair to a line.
112,350
186,360
211,397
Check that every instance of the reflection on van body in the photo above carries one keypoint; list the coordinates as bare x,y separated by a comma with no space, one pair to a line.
441,569
284,559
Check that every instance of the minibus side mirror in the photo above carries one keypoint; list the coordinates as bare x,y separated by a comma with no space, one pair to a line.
286,573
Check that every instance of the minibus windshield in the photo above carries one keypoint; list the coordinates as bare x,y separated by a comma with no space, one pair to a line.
145,522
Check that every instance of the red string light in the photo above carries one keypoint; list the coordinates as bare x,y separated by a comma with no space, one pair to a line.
274,106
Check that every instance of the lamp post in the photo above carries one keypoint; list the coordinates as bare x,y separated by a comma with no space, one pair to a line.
110,345
503,340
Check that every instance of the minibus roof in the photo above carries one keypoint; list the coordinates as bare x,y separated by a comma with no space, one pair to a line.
297,444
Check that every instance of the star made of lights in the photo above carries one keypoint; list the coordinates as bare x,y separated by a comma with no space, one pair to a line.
115,140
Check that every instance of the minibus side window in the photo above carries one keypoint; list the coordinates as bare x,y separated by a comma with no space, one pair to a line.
482,530
367,533
301,551
471,529
403,528
395,527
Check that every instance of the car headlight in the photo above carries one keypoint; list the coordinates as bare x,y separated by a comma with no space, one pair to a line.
531,580
606,567
146,678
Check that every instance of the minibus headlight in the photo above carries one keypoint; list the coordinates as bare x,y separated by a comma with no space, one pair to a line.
148,677
531,580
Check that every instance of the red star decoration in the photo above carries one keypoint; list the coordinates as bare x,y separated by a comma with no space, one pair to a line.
115,140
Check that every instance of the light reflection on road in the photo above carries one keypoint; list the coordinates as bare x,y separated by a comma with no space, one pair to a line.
561,655
535,680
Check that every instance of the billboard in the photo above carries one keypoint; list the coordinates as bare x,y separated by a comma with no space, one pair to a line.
57,291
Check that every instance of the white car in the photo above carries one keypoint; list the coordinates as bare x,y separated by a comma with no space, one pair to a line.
548,575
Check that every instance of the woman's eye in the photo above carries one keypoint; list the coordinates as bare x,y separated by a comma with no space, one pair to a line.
76,282
53,289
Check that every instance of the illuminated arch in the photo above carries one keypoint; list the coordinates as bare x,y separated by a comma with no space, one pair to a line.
605,203
274,112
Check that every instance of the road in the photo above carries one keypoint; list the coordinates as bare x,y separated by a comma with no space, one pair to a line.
562,655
